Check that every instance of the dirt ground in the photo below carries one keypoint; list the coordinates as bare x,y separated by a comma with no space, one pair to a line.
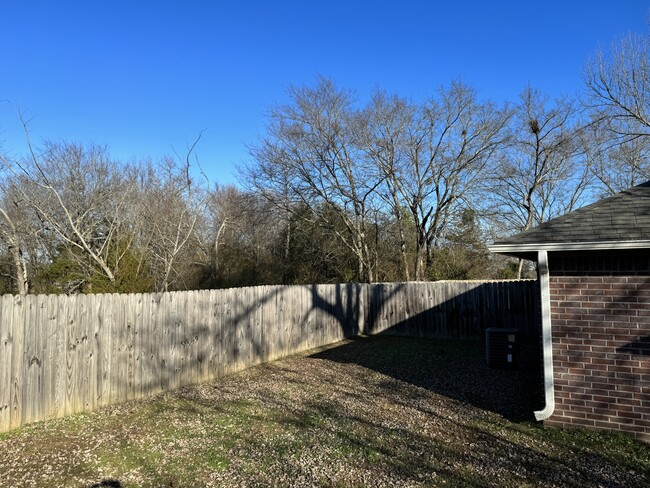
378,411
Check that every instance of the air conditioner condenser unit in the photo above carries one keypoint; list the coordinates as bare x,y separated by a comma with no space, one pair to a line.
502,347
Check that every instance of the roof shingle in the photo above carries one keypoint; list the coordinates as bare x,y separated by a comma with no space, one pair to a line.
622,217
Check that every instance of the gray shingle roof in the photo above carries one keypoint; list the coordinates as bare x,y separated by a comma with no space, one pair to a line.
622,217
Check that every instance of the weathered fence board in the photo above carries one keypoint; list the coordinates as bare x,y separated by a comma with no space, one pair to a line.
65,354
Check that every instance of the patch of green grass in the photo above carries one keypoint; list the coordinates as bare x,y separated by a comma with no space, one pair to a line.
620,447
122,458
371,454
214,459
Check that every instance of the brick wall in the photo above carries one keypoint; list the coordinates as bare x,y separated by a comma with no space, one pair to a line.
600,315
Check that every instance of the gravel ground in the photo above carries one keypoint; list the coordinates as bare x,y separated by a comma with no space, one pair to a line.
369,412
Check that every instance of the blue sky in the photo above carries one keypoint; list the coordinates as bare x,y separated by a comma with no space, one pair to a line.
144,77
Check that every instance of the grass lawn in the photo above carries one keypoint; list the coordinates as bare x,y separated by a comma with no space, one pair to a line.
377,411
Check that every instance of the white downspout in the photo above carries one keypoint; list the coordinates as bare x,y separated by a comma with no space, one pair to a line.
547,341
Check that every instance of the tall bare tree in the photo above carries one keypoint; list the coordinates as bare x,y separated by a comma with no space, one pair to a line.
618,99
224,206
310,149
385,125
542,173
17,231
449,146
172,205
81,199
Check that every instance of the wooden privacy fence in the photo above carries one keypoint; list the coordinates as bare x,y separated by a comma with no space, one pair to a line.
453,309
61,354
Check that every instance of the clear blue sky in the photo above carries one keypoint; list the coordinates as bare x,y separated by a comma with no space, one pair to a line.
145,76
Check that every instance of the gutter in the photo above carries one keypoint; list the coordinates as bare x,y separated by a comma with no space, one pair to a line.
547,341
569,246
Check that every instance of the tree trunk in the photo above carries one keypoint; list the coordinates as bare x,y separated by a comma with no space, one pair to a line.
404,263
20,269
420,259
216,246
20,266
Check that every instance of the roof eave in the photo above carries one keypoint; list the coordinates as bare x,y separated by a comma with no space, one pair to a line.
518,249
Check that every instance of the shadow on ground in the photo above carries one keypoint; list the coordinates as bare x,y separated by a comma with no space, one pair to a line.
454,368
107,484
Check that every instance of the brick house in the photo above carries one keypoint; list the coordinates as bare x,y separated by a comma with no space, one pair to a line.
594,272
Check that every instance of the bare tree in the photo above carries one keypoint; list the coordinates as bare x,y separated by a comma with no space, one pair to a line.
615,166
618,88
310,149
16,229
449,145
224,206
172,205
80,197
618,99
245,233
385,126
541,174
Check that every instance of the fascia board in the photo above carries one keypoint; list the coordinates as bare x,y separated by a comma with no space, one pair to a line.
569,246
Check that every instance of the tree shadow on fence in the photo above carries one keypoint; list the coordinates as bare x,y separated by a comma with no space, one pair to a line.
107,349
458,310
231,329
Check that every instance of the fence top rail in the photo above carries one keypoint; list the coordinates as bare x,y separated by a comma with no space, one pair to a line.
302,285
513,280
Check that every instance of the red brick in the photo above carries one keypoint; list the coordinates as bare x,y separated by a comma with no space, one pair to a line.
568,304
570,389
597,355
602,361
622,288
593,317
618,407
618,356
595,385
604,411
586,397
626,402
584,422
628,389
602,397
644,422
598,336
598,367
626,427
573,413
592,292
579,371
570,401
630,416
599,286
620,369
626,378
571,340
606,425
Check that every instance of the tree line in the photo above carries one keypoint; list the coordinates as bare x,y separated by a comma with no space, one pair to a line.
336,190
